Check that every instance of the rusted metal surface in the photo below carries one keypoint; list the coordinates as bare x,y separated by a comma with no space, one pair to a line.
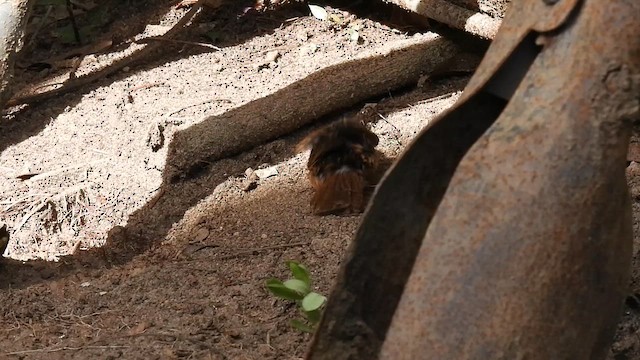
504,230
381,257
522,18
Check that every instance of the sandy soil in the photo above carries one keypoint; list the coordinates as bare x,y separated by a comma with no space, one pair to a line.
179,273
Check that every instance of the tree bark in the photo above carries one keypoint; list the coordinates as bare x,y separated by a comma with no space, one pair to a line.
481,18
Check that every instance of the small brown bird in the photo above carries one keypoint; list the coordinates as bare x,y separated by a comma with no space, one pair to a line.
342,159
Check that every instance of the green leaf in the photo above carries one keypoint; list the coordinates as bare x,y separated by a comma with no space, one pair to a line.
299,272
298,324
298,286
313,316
313,301
318,12
278,288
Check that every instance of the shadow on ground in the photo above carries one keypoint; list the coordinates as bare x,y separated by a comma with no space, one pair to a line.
149,225
238,26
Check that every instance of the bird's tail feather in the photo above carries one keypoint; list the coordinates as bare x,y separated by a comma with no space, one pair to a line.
339,193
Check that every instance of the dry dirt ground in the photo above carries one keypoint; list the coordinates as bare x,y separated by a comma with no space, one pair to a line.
179,273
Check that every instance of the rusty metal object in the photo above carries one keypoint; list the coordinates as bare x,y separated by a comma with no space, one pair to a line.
504,230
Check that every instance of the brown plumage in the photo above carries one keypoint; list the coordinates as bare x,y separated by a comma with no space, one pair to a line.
342,158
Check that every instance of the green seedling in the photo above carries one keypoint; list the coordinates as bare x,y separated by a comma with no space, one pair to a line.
298,289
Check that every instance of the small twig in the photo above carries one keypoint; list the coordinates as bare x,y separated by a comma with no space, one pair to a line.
146,86
155,199
31,213
273,247
278,48
43,86
202,247
269,336
149,39
81,52
97,313
47,199
65,348
194,105
61,170
436,98
292,19
74,25
75,65
11,204
40,25
395,136
129,94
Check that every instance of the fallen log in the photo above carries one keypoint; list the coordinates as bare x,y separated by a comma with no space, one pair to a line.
334,87
479,18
